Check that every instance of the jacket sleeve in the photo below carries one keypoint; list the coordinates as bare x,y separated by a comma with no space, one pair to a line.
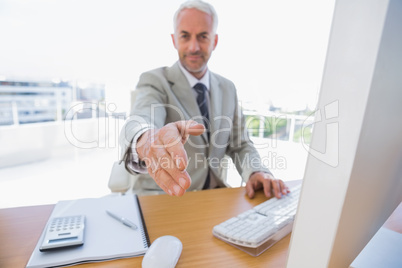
147,112
241,149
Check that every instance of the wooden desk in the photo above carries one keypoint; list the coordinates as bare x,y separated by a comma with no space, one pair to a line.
190,218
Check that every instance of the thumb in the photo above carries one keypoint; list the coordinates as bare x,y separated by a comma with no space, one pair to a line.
189,127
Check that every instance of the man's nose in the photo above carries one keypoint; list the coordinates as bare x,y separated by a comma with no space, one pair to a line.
194,45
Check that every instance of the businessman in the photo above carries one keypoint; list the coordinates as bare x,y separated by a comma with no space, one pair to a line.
185,119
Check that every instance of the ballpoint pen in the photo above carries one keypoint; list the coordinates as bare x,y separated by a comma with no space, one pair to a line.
122,220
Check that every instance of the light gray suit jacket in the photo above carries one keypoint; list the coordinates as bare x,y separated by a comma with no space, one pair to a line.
164,95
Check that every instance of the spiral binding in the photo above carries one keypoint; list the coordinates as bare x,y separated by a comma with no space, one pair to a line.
144,233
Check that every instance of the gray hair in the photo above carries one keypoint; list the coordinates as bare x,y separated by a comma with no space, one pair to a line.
201,6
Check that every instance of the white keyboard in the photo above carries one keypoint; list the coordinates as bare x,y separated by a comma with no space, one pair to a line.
263,225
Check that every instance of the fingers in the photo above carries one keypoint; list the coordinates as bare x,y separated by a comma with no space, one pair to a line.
284,188
169,184
166,163
165,156
269,184
277,187
189,127
250,189
172,137
268,187
169,146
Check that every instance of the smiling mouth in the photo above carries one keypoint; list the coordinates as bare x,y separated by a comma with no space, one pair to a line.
193,56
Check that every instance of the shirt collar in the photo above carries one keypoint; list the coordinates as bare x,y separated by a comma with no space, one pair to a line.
192,80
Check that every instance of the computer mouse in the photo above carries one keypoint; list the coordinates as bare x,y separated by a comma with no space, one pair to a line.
164,252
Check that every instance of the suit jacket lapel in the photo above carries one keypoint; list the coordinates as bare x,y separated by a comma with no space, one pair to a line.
181,89
183,92
216,107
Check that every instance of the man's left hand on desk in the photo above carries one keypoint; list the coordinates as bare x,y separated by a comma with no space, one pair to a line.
265,181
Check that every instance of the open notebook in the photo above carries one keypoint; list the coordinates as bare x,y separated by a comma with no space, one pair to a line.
105,237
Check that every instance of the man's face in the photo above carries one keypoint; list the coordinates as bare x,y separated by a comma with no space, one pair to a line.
194,40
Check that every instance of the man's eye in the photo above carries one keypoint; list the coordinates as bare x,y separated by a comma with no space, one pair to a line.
204,37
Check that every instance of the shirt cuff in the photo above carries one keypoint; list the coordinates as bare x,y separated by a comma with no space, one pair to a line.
134,162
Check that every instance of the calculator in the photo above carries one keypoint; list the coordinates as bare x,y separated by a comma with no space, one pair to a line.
63,232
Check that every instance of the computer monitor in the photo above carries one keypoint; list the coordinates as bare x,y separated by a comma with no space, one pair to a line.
353,176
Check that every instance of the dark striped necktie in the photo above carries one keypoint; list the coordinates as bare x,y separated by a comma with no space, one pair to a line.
202,102
203,105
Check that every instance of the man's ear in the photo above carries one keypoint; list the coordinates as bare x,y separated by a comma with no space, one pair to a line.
173,40
215,41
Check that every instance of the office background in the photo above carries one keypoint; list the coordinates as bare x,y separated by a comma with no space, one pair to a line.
273,51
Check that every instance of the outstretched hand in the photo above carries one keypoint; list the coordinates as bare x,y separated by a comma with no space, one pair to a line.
163,152
268,183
